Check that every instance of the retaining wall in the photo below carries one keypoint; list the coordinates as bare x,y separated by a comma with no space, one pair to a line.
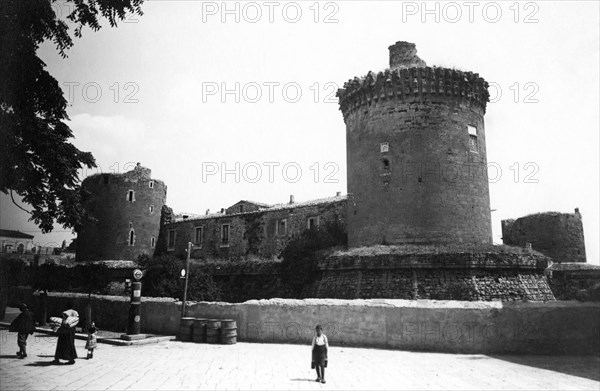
556,327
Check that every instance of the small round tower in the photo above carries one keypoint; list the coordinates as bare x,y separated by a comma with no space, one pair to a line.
416,155
126,209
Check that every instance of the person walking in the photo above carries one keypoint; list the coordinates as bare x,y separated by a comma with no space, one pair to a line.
320,346
92,342
24,325
65,346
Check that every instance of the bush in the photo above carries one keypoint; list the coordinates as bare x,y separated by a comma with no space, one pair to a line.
162,279
302,253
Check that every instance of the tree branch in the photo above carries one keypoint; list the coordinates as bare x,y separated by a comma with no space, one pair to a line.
18,206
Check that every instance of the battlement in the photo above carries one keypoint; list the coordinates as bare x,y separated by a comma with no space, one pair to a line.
413,84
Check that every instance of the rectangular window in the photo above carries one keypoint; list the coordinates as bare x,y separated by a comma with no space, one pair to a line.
151,209
198,235
131,238
225,234
313,222
281,228
130,196
171,242
152,242
473,144
151,184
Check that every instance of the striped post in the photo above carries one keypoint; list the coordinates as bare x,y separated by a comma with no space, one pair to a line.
133,326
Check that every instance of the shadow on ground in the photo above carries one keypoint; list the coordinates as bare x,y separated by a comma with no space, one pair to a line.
587,367
41,364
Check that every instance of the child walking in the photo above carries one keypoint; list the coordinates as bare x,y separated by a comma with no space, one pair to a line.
320,345
91,343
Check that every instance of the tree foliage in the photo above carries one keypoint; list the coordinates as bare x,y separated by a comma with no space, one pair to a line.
302,253
37,160
162,279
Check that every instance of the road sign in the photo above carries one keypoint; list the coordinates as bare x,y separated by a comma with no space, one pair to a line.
137,274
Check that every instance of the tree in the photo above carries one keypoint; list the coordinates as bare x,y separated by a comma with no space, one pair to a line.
37,161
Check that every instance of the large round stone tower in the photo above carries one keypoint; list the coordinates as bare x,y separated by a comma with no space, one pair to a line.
417,167
126,208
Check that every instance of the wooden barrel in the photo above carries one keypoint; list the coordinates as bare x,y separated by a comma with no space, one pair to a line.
185,329
213,330
228,331
199,330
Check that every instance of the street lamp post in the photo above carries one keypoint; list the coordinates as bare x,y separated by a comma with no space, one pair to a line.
187,270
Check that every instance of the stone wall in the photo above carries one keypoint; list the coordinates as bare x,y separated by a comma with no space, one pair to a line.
437,326
116,216
575,281
558,235
415,174
251,233
475,276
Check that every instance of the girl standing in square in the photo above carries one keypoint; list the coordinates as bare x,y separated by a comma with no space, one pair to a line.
320,345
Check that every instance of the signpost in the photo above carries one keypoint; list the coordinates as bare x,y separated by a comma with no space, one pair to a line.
184,274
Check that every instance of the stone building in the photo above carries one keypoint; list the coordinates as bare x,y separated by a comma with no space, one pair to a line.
248,228
126,209
557,235
416,153
15,241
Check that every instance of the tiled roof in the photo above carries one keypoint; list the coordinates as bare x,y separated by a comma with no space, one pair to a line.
9,233
179,216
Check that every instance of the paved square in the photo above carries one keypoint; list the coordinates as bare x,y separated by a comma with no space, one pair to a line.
188,366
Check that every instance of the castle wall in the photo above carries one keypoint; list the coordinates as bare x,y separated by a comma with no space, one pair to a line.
253,233
436,326
471,276
557,235
116,215
416,156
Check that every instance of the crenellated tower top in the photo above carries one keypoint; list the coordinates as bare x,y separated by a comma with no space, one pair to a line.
410,79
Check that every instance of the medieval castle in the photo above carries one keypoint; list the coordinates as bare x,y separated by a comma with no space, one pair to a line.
417,176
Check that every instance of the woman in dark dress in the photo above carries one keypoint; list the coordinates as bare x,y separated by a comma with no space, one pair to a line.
65,347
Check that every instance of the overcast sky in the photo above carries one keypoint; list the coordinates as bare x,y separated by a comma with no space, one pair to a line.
150,91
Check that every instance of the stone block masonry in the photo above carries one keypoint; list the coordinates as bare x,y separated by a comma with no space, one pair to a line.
439,274
127,211
557,235
260,232
416,152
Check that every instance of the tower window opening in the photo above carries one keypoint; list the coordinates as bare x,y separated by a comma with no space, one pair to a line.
151,209
152,241
130,196
473,144
386,164
131,237
151,184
